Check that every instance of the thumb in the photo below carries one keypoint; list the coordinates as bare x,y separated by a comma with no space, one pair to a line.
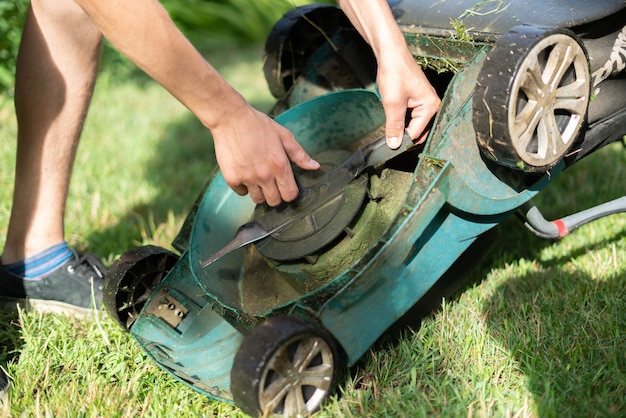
394,126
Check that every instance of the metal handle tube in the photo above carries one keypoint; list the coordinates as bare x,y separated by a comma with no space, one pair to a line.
535,222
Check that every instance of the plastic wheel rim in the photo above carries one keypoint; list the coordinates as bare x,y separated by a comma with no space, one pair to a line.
132,279
297,377
548,100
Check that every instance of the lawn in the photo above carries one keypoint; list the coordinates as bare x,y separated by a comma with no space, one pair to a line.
538,330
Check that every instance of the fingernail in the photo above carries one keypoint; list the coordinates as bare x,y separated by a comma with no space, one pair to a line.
394,142
314,164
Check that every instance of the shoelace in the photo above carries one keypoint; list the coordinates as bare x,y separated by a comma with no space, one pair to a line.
89,261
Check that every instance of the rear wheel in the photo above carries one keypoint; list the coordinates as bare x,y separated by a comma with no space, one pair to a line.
531,97
322,34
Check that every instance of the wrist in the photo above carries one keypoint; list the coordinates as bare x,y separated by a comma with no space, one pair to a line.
221,108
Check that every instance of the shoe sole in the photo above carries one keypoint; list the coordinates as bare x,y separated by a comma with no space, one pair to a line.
45,307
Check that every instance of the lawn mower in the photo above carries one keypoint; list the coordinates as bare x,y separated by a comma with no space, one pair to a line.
263,306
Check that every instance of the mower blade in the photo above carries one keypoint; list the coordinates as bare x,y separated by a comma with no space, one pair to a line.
247,233
373,154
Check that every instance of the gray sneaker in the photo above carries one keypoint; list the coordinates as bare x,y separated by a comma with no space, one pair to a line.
75,288
4,386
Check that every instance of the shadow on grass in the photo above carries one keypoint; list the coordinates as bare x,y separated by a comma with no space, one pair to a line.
564,328
567,335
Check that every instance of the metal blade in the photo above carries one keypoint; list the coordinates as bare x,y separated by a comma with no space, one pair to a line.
372,154
377,152
246,234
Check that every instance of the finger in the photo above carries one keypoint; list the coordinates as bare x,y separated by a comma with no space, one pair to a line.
416,131
240,190
256,194
419,126
272,194
286,185
394,125
420,137
299,156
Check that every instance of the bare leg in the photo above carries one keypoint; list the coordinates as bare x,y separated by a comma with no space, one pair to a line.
56,71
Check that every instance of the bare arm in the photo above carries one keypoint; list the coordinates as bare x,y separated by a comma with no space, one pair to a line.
401,82
252,150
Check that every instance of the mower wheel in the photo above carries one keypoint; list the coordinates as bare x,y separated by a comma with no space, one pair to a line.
531,97
132,279
285,366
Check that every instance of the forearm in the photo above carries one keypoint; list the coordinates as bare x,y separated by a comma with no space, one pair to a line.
374,21
143,31
252,150
401,82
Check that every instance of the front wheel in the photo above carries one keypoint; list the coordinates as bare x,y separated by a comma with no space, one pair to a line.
132,279
286,366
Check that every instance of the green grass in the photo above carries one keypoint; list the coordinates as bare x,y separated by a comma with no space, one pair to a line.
539,330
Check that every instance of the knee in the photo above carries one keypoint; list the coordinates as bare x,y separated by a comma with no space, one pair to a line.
66,16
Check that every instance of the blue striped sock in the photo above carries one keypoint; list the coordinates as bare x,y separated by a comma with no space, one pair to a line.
41,264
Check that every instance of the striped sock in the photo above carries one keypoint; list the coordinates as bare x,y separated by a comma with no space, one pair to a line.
42,264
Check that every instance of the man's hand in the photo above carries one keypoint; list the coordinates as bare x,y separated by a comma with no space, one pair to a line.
254,154
403,86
